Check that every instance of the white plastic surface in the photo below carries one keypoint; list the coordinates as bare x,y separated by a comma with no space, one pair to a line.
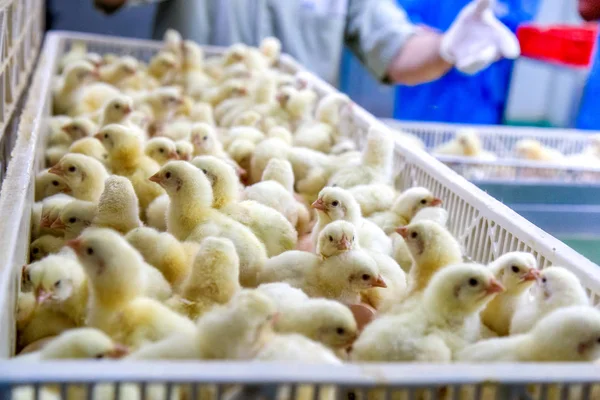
485,227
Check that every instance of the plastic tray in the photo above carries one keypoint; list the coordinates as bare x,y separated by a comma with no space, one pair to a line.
485,227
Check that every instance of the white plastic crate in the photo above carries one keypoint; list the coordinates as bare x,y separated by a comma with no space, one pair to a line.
484,226
501,141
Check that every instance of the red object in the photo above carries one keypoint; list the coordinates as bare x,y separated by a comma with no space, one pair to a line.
563,44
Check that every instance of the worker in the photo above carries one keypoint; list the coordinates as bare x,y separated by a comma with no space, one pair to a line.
588,117
314,32
457,97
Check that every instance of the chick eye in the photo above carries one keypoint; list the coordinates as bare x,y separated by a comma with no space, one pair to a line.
473,282
423,201
515,269
99,356
161,150
35,250
106,136
72,169
414,235
335,203
544,280
168,175
90,251
340,331
177,151
366,277
334,185
598,340
57,283
205,138
205,172
54,183
331,238
117,106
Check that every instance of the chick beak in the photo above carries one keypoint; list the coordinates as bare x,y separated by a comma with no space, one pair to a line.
41,296
319,205
58,224
402,231
57,170
282,99
75,244
99,136
95,74
344,244
494,287
379,282
156,178
274,319
67,189
119,351
24,273
127,110
65,129
173,156
531,275
436,202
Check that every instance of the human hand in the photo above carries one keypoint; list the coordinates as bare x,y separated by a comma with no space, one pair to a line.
477,38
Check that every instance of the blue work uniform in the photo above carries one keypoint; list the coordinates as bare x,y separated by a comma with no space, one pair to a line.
589,114
457,97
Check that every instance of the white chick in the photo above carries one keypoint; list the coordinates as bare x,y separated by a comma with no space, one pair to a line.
184,150
91,147
204,138
555,288
118,71
296,348
75,217
161,149
161,250
516,271
116,111
191,217
570,334
75,129
47,184
375,165
77,52
193,77
334,204
373,198
466,143
269,226
84,175
118,206
44,245
432,248
156,213
67,87
214,279
42,218
404,209
437,327
531,149
91,98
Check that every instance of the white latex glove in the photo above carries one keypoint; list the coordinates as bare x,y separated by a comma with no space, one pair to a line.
477,38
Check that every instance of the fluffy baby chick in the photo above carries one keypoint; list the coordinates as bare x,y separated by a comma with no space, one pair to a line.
44,245
75,129
531,149
467,144
47,184
70,83
78,343
193,77
126,158
91,98
118,206
375,165
43,217
84,175
334,204
269,226
432,247
191,217
570,334
75,217
161,103
442,323
77,52
374,198
184,150
161,150
116,111
156,213
516,271
214,279
205,140
404,209
161,250
555,288
90,147
59,282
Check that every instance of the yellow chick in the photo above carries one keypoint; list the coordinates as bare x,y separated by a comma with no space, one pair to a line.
59,282
77,52
156,213
432,247
84,175
569,334
193,77
161,250
118,206
161,103
516,271
298,349
47,184
116,111
41,323
126,157
191,217
214,279
405,207
48,212
375,165
161,150
70,83
264,152
74,129
184,150
269,226
442,323
555,288
119,71
90,147
467,144
204,138
44,245
334,204
162,67
74,218
531,149
373,198
91,98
